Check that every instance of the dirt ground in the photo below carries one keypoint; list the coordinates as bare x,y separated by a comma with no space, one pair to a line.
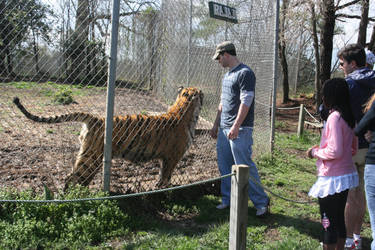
288,113
35,154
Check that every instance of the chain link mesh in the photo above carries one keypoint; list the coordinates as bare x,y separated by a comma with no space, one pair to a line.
54,57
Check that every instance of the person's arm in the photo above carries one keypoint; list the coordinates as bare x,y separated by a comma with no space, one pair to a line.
368,136
334,146
354,145
215,127
366,121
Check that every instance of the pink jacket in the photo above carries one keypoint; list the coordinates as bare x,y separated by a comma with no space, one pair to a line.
337,146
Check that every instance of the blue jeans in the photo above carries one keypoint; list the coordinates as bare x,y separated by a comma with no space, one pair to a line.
370,197
236,152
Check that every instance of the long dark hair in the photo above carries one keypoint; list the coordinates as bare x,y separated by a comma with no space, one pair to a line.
336,96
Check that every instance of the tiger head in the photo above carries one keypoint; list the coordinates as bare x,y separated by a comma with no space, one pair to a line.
188,98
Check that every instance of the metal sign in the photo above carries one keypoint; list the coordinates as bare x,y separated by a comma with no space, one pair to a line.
222,12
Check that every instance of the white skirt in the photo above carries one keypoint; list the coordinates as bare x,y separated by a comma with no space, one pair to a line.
328,185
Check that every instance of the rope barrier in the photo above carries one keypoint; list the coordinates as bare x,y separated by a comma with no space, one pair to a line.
268,106
279,196
265,105
114,197
118,196
288,108
316,120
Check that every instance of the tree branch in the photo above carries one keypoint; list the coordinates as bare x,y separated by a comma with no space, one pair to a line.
133,12
346,5
341,15
108,16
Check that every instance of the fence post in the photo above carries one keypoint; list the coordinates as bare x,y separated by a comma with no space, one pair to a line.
301,120
275,74
238,207
107,158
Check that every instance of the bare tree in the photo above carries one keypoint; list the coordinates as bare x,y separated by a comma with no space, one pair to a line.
326,44
329,9
371,45
364,22
317,84
324,18
282,51
82,47
295,38
80,38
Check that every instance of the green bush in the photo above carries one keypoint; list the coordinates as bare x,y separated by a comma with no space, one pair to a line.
63,96
40,225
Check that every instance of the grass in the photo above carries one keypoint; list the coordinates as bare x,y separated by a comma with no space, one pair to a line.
60,93
169,221
281,125
179,221
291,226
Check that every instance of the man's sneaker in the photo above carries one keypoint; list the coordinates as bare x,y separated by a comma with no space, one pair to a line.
263,211
358,244
349,244
222,206
353,244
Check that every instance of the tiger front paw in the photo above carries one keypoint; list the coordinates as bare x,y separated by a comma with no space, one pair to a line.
162,184
70,181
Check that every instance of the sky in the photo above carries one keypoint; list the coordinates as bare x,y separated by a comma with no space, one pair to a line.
351,26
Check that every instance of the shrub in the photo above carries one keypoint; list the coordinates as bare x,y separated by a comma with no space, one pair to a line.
63,96
43,225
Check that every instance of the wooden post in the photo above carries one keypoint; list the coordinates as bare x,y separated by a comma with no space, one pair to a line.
301,120
238,207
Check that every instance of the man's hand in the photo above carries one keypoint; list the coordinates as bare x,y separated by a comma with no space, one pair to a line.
368,136
213,132
233,133
215,127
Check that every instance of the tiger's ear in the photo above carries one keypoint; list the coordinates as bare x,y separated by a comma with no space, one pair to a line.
180,89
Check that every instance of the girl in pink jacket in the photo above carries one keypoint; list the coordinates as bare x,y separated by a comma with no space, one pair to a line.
335,169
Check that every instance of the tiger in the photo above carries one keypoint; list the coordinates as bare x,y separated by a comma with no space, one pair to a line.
137,138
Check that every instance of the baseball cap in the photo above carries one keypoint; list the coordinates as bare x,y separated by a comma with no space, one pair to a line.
370,57
223,47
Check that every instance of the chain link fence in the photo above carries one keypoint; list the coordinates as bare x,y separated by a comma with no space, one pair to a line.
54,57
